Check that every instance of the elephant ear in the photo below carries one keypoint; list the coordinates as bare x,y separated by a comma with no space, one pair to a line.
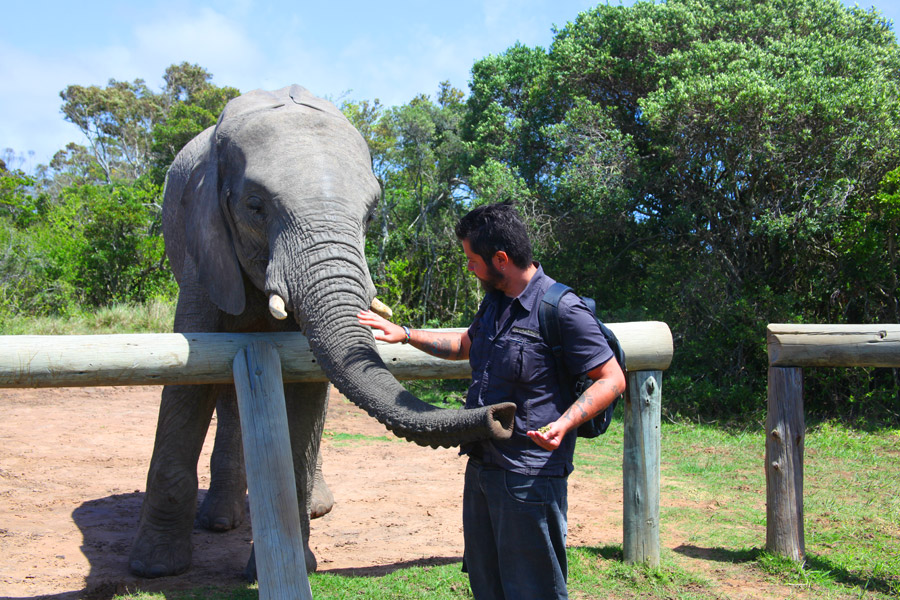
208,238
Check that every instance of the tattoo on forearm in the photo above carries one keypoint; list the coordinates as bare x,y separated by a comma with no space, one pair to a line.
438,345
442,348
582,409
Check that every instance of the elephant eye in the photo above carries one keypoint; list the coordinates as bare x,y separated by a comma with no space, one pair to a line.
256,206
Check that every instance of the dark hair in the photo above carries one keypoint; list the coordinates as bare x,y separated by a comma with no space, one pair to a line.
492,228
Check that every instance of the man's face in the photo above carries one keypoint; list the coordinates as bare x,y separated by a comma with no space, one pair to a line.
490,277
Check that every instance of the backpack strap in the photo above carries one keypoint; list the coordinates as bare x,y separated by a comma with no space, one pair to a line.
548,320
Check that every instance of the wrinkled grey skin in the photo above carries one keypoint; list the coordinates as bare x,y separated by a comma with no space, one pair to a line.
275,199
223,506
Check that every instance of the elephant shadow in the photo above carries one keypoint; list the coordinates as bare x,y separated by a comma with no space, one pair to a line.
108,526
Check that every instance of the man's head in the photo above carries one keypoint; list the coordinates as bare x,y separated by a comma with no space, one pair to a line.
493,228
494,235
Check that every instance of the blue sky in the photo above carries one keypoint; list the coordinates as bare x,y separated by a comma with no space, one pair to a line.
390,50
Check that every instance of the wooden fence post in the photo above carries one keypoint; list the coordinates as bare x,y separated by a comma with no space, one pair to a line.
640,467
792,346
277,540
785,432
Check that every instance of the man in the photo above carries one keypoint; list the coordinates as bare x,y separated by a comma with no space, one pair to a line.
515,494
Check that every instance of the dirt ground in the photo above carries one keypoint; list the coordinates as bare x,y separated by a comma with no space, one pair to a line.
73,464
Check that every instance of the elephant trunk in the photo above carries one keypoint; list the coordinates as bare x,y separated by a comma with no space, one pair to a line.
326,299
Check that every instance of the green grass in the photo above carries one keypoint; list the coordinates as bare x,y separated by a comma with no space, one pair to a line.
442,582
346,439
713,489
443,393
153,317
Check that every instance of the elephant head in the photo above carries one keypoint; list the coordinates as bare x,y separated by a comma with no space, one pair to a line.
277,195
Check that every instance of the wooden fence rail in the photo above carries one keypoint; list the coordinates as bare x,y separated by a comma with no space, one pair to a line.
30,361
147,359
792,347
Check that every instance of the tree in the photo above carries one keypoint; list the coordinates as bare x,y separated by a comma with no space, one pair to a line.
19,205
721,145
193,104
185,81
417,155
132,130
117,121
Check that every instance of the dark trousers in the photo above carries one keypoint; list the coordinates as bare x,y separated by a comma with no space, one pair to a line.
514,528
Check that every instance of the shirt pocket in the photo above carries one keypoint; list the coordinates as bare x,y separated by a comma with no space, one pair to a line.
537,366
507,360
523,361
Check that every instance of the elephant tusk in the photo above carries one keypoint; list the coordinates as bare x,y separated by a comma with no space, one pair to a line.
380,308
276,307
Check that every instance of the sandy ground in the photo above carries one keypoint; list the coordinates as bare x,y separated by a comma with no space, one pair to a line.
73,464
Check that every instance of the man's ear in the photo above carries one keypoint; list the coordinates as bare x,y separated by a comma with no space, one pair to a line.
500,260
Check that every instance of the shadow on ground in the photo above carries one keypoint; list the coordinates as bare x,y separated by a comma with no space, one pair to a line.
820,565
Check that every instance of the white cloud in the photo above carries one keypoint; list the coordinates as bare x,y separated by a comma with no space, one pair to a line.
385,52
30,84
30,103
206,37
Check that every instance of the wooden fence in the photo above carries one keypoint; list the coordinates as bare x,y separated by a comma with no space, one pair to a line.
259,364
791,348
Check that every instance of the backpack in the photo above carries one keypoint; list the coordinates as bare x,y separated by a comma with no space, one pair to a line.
548,318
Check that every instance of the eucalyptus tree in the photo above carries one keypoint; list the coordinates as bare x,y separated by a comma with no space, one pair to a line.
117,121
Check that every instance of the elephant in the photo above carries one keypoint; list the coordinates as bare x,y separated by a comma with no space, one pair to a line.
264,217
223,506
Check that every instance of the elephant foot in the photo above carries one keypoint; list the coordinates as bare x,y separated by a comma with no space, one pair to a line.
159,554
222,510
322,500
250,570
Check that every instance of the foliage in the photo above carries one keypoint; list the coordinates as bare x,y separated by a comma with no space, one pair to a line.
714,164
116,252
84,231
116,120
702,163
414,255
17,203
194,104
93,245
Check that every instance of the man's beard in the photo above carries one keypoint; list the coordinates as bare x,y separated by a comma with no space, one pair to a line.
494,279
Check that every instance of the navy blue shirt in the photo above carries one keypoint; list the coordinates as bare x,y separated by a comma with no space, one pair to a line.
511,363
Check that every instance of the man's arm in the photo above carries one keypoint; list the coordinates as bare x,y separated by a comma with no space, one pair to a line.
609,383
452,345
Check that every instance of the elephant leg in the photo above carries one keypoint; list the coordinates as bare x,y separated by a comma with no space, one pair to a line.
307,404
163,542
224,506
322,500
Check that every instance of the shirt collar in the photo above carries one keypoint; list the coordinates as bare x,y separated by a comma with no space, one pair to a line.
532,291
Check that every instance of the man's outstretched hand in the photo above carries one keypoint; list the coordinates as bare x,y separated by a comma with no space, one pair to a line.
549,439
384,330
